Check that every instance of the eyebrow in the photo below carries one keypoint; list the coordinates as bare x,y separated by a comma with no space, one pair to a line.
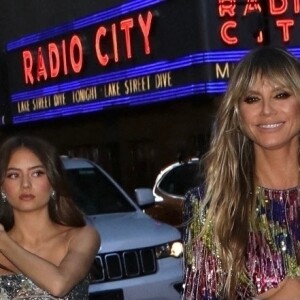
30,168
251,91
274,88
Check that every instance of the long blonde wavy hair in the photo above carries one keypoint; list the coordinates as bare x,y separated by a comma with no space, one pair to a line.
230,162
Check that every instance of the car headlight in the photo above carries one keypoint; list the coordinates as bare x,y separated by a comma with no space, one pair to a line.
174,249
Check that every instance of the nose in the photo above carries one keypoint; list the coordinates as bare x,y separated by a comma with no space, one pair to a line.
26,183
267,107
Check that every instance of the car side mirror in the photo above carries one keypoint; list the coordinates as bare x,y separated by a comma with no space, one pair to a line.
144,197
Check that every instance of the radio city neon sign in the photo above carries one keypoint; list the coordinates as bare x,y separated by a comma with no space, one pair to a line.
66,57
277,9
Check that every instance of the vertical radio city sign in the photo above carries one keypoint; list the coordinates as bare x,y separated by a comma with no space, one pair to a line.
141,52
280,13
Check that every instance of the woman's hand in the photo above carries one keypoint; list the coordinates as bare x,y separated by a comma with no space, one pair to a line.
3,236
288,289
2,230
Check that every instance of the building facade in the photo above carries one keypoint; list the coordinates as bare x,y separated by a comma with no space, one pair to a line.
133,84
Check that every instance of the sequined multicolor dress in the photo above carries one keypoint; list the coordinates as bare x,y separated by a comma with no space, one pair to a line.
17,287
273,250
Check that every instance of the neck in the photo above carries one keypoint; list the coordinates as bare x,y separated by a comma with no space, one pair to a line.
31,226
277,170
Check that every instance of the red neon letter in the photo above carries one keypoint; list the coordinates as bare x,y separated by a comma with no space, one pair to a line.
41,68
63,46
251,6
260,37
145,27
126,25
115,41
285,24
224,29
103,59
76,43
296,6
27,66
54,63
228,8
279,9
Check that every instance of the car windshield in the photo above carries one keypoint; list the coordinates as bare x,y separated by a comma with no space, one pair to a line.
94,193
181,178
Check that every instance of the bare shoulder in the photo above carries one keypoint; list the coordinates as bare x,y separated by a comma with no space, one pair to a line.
85,235
88,230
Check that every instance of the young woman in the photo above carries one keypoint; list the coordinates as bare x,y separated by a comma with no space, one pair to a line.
46,249
243,234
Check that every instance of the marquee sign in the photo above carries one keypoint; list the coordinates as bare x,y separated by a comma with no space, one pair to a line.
60,58
143,51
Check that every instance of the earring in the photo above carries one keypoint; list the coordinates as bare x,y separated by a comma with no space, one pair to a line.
53,195
3,197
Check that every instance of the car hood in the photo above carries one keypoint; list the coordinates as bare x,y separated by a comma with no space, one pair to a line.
124,231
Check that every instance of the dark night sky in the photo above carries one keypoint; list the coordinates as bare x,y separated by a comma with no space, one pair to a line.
22,17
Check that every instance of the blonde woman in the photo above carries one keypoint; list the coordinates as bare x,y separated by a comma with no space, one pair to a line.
242,239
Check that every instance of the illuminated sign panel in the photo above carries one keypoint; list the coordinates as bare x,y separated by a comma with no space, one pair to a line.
141,52
248,23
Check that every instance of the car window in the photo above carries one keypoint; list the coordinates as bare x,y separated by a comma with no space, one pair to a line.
94,193
181,178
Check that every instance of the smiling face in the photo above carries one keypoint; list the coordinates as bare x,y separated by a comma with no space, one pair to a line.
270,114
26,183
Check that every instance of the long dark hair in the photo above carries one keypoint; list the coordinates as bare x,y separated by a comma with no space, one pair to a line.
62,209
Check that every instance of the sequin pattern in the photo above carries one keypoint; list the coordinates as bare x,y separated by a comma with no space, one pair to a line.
273,250
19,287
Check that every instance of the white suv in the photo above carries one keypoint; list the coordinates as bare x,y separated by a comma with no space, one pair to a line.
139,258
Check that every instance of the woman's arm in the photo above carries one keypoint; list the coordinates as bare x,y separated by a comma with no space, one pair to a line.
57,280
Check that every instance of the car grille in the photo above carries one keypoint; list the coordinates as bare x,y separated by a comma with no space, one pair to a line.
122,265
